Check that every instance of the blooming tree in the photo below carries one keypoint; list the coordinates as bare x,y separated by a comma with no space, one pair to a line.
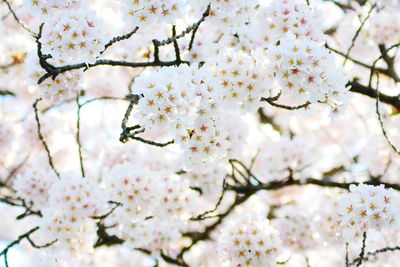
200,133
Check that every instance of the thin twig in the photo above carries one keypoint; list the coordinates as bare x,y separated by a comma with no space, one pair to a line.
353,41
42,138
272,103
203,215
78,134
26,236
118,39
18,20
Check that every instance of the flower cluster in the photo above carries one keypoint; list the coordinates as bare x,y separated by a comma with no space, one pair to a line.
46,8
137,191
153,206
242,79
206,140
73,36
76,197
307,71
67,217
289,18
287,155
75,237
152,11
368,207
33,186
209,178
385,27
154,235
250,242
229,14
180,100
327,221
295,228
169,99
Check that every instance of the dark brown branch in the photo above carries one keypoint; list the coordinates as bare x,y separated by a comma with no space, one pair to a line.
104,239
368,91
176,46
102,217
376,252
272,103
22,204
6,92
390,61
361,257
170,260
149,142
275,185
105,62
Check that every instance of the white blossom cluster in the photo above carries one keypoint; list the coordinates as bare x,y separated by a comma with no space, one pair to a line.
73,36
154,235
249,241
289,19
169,98
144,12
136,191
153,205
368,207
385,26
327,221
237,147
242,79
231,14
68,207
280,19
209,178
295,228
180,100
307,72
287,155
33,186
47,8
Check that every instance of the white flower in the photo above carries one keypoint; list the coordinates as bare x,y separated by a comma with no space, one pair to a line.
33,185
249,242
307,72
77,196
137,189
368,207
73,36
152,11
